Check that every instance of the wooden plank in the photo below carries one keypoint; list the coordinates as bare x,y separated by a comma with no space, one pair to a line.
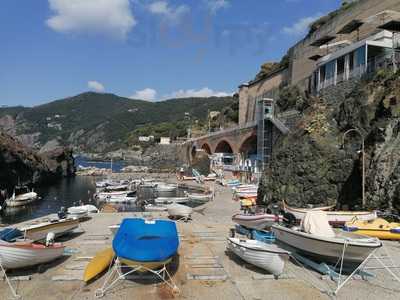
18,278
83,258
201,257
67,278
207,277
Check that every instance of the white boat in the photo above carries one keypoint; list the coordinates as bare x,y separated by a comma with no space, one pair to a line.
200,197
83,208
114,188
256,221
114,228
154,208
266,256
179,210
336,218
317,240
120,199
39,231
104,195
23,198
166,187
170,200
77,212
26,254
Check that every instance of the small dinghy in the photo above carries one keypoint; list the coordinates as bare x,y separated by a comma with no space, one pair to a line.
179,211
166,187
122,200
26,254
200,197
23,197
266,256
154,208
171,200
379,228
77,212
256,221
39,231
335,218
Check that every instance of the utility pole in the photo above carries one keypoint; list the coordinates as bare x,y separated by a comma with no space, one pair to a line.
363,160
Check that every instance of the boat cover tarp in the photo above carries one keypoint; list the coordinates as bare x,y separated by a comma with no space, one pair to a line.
146,241
316,223
10,234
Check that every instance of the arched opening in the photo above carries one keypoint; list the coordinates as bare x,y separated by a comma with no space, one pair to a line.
223,147
206,148
249,148
194,151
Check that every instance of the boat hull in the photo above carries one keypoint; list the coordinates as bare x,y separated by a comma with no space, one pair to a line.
328,250
335,218
98,264
13,256
22,200
269,260
177,210
39,232
258,222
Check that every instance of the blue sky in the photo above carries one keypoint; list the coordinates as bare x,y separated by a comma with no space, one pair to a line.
150,49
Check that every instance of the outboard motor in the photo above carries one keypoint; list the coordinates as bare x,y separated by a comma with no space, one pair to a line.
289,219
62,214
50,237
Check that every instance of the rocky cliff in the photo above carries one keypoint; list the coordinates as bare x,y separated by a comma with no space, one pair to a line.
311,165
19,163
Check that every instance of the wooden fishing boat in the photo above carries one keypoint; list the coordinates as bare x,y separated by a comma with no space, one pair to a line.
266,256
99,263
179,210
26,254
317,240
256,221
379,228
39,231
104,195
335,218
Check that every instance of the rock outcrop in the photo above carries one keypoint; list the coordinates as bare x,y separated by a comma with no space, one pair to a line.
311,165
21,164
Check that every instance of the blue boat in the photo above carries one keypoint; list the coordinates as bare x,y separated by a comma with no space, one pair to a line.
146,243
143,246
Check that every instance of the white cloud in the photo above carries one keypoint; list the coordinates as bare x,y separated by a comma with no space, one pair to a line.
215,5
96,86
109,17
147,94
204,92
169,13
301,26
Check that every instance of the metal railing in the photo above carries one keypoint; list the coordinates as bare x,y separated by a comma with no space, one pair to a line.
374,64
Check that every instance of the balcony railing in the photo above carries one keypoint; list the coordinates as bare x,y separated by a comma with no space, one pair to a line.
374,64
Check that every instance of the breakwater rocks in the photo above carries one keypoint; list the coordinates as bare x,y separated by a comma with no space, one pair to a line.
311,164
21,164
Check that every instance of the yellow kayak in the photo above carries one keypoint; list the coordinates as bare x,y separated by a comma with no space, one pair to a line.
98,264
379,228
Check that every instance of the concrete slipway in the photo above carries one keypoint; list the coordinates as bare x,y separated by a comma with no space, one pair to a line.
202,255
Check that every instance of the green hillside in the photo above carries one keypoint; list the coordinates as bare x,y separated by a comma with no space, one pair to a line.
100,122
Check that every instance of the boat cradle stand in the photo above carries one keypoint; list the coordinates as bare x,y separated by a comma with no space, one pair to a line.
362,270
14,293
118,268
